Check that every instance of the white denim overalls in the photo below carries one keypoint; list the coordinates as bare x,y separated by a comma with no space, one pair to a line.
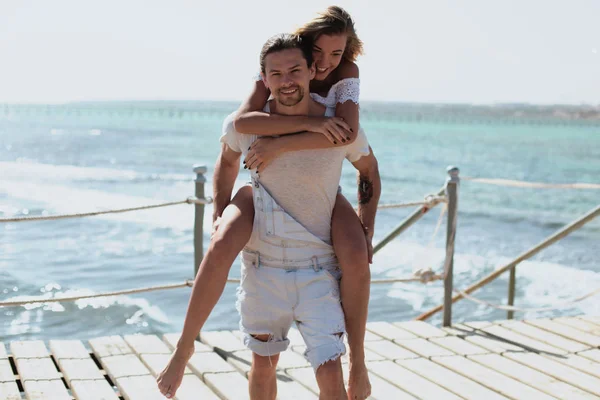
289,275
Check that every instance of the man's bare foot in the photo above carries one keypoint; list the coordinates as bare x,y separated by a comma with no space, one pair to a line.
359,386
170,378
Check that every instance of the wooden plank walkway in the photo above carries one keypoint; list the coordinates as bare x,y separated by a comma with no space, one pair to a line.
534,359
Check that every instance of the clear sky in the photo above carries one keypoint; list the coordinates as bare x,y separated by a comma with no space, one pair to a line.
474,51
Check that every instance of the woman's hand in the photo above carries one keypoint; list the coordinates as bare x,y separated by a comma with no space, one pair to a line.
335,129
261,153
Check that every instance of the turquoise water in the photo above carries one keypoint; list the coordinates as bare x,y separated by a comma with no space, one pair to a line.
99,156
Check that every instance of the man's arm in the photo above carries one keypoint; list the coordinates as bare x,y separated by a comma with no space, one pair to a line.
369,190
227,168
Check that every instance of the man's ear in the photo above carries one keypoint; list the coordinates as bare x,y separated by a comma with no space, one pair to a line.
264,79
313,70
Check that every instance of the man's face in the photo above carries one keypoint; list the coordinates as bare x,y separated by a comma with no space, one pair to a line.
288,76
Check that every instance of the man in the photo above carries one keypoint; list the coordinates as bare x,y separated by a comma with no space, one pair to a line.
289,270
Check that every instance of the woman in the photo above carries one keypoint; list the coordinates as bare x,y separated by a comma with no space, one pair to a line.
336,84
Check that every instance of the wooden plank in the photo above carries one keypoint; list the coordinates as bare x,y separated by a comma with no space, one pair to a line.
3,354
224,340
545,336
109,346
36,369
458,346
157,362
10,391
423,347
228,385
531,377
477,324
389,331
409,381
383,390
171,340
593,355
566,331
146,344
6,372
204,363
306,376
46,390
450,380
559,371
523,341
295,337
482,339
580,324
390,350
380,388
141,387
192,388
421,329
68,349
93,390
498,382
29,349
581,363
590,318
123,366
79,369
287,388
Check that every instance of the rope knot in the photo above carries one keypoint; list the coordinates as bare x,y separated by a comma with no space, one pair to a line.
426,275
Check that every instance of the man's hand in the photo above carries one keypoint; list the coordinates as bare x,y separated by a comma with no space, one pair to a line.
335,129
262,152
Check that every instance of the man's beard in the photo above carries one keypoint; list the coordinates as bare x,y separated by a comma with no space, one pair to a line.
290,101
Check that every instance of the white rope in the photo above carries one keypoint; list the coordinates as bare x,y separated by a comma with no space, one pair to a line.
189,200
187,283
513,308
537,185
429,202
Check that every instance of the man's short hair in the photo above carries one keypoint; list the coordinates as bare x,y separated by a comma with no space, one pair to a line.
286,41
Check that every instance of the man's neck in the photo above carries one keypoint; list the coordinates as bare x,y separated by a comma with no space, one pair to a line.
307,107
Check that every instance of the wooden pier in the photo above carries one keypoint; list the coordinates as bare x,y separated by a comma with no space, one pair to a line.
536,359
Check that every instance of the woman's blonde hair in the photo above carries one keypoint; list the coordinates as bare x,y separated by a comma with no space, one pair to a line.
334,21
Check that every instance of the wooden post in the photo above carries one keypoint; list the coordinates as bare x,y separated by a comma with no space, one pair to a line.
452,198
512,281
199,170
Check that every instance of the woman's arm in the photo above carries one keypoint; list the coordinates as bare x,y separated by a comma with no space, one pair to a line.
250,119
264,150
347,106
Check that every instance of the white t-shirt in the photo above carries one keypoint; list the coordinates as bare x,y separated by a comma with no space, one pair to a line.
304,183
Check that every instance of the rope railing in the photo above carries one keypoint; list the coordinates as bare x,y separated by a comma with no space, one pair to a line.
189,200
536,185
187,283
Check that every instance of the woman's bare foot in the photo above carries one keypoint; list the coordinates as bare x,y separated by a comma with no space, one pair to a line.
359,386
170,378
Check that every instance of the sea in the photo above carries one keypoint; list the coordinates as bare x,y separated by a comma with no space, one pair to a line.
90,156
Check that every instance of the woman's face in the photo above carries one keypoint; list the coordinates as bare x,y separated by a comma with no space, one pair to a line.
327,54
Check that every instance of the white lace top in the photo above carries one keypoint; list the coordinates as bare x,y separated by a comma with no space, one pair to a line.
340,92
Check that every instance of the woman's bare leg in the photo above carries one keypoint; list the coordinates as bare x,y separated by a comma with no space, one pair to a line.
230,238
351,249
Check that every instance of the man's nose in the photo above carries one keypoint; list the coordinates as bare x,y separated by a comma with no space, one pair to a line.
287,80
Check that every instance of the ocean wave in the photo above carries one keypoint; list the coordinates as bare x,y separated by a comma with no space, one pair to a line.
33,171
539,283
